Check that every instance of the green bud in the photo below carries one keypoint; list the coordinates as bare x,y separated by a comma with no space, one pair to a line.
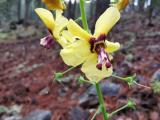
131,104
155,85
81,79
58,76
130,80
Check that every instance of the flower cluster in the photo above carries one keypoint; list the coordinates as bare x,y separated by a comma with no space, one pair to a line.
92,51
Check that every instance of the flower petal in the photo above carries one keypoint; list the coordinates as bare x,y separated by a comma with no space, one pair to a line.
76,30
106,21
91,72
62,41
68,36
54,4
66,39
47,17
111,46
60,23
76,53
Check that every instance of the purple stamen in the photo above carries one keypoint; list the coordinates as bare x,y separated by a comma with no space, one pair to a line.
47,41
103,58
98,45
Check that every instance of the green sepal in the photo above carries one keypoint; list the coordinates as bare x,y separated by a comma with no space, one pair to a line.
58,76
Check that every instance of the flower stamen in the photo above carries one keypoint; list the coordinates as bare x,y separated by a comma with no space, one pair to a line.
103,58
98,45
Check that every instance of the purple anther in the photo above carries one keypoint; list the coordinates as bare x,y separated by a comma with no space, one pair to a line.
103,59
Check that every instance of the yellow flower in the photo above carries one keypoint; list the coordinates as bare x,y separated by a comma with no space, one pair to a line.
54,25
92,51
121,4
54,4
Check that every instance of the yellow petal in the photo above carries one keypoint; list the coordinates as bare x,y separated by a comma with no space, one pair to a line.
68,36
91,72
60,24
76,53
47,17
111,46
62,41
58,14
66,39
54,4
106,21
76,30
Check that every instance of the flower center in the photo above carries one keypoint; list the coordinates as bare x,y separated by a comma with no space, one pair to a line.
98,46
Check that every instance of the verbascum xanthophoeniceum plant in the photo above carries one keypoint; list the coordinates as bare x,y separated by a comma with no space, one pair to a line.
80,47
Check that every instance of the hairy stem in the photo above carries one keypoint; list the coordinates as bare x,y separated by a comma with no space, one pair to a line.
101,101
71,68
119,109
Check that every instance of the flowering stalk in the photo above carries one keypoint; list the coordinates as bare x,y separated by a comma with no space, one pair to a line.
96,54
98,89
99,93
83,15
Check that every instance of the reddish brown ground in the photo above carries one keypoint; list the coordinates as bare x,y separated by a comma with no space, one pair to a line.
26,68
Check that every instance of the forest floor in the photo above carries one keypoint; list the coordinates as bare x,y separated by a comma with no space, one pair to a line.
26,75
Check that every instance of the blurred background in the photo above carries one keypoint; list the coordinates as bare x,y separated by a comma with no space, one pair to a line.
27,86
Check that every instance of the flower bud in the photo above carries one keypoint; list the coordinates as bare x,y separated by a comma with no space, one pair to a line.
130,80
47,41
81,79
58,76
55,4
121,4
131,104
155,85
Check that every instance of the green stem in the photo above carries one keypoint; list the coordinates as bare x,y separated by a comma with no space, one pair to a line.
101,101
71,68
83,15
121,78
119,109
87,81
